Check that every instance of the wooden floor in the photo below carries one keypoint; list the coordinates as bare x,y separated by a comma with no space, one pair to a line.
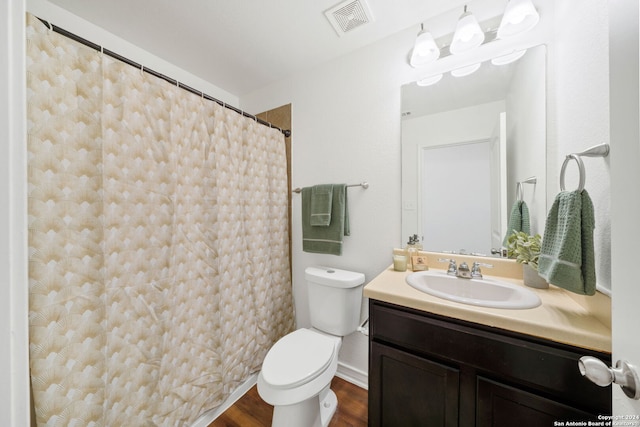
252,411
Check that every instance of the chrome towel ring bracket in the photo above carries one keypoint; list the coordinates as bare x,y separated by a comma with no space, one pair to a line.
520,187
601,150
519,192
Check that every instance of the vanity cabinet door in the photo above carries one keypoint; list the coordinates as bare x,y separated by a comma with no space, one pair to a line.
406,390
427,370
499,405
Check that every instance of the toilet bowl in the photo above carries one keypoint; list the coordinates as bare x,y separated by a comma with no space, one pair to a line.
297,371
295,378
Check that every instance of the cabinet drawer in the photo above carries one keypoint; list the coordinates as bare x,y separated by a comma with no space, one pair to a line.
550,369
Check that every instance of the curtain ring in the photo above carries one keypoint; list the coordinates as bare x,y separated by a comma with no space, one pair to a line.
580,168
519,192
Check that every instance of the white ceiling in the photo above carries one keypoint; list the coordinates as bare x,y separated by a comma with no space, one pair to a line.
244,45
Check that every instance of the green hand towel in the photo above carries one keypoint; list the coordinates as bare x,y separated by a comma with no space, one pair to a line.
518,220
326,240
567,257
321,198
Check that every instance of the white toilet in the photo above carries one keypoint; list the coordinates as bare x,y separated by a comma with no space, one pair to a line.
298,369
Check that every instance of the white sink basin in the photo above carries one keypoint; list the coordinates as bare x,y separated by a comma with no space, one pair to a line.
482,292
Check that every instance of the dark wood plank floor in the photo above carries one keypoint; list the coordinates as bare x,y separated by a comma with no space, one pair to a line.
252,411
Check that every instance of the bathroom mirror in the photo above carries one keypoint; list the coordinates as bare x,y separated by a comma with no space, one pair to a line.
466,143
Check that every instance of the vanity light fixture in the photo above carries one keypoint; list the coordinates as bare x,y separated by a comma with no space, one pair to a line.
509,57
428,81
519,16
465,71
425,49
468,34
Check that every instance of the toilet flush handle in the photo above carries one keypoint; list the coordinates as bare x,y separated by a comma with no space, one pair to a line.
624,374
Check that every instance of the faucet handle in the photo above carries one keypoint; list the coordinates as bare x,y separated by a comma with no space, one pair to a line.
453,268
476,273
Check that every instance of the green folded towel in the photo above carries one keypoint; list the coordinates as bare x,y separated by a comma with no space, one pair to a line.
321,198
567,257
518,220
326,240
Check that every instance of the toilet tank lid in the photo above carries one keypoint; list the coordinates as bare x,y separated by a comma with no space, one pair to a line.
333,277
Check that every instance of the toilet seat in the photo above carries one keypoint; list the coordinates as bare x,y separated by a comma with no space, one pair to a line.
297,358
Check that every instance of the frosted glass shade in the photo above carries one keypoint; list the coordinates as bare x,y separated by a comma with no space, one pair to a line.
425,50
519,16
468,34
465,71
428,81
509,57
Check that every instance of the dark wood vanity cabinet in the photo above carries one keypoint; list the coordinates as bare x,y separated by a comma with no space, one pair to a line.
429,370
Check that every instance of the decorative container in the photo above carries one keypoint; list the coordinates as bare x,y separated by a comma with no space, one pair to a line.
531,278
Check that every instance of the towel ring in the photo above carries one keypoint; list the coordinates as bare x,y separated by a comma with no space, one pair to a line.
580,168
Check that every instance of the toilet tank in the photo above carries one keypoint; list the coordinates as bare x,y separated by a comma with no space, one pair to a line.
335,298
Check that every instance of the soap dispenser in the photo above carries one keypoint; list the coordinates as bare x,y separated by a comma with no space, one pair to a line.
412,249
418,242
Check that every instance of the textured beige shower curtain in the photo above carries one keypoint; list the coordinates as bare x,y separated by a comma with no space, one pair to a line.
159,272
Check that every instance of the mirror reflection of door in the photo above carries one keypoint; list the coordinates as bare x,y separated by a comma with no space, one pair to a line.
456,198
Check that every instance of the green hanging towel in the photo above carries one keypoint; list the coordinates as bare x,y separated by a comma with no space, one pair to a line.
518,220
321,201
326,240
567,257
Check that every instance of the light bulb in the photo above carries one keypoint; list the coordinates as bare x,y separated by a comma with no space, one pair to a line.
425,50
468,34
519,16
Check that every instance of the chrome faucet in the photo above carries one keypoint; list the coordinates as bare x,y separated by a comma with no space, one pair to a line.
463,270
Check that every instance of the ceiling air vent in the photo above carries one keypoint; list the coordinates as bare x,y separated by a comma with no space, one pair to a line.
349,15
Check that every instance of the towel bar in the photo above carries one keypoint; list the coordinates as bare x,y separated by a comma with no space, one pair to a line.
364,185
601,150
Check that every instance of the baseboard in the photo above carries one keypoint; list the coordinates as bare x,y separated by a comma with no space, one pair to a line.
208,417
353,375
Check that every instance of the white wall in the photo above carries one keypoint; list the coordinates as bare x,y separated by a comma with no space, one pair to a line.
76,25
346,128
578,100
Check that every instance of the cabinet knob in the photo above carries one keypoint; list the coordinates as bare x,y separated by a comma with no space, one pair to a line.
624,374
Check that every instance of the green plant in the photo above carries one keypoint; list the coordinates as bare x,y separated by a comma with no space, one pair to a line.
524,248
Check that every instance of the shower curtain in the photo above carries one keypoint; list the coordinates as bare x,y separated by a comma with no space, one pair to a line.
159,273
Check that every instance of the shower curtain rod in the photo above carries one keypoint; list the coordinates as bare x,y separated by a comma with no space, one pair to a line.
72,36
